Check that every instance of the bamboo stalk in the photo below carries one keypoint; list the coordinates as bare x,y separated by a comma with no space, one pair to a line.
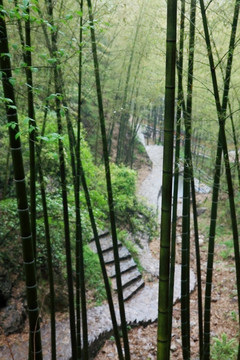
180,105
222,145
163,300
188,174
109,186
35,351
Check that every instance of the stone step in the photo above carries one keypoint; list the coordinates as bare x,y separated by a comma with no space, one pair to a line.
128,278
125,265
123,254
105,242
132,289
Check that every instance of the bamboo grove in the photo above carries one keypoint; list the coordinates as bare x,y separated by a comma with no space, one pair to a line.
98,72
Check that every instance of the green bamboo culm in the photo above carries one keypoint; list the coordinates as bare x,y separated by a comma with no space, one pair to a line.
35,352
180,106
163,301
80,283
32,129
109,186
222,146
188,173
102,263
236,146
124,114
58,90
26,45
32,137
198,268
49,254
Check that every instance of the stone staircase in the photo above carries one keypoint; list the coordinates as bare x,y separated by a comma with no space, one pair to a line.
131,277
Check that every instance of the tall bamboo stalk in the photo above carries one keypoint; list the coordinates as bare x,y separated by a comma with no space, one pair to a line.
198,269
19,176
109,186
102,263
32,137
180,105
80,283
32,128
163,300
58,90
124,114
236,146
49,255
188,173
27,57
222,145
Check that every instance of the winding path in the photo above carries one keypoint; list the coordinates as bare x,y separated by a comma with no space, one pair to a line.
141,309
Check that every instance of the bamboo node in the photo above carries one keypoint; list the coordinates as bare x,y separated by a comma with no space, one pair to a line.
32,310
16,148
31,287
29,262
22,210
26,237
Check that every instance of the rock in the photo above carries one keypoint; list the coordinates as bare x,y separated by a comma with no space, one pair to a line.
201,242
201,210
173,347
61,300
12,318
5,289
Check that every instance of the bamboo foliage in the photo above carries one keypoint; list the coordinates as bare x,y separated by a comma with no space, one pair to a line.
165,240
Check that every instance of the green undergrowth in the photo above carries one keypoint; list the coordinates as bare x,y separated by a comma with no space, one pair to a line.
224,348
123,237
130,215
93,276
223,236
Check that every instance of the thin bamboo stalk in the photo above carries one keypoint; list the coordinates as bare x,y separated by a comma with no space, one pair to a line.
109,186
80,284
32,122
124,114
49,255
180,105
23,212
188,173
102,263
222,145
58,90
26,45
163,300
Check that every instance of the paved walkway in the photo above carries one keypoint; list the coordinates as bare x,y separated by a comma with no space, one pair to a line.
140,309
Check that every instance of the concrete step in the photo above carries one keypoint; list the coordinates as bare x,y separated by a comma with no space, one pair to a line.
125,265
105,242
123,254
128,278
132,289
131,277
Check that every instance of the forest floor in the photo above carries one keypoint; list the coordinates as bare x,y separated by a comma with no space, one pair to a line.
224,320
